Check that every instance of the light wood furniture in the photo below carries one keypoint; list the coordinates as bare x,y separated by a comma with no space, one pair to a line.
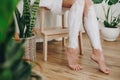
53,32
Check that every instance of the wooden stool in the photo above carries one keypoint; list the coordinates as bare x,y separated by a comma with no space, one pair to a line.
54,32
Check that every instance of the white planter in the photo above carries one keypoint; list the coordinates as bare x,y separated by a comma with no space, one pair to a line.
110,34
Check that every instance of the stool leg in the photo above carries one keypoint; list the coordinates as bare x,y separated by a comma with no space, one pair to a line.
63,43
45,48
63,26
80,43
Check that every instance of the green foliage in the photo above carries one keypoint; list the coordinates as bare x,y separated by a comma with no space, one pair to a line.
12,67
28,18
6,9
113,22
109,25
109,2
110,20
12,63
97,1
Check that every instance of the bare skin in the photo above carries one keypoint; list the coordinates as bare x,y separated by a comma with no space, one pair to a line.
16,37
97,55
67,3
72,57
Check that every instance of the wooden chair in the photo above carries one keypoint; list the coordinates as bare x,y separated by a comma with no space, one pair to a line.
54,32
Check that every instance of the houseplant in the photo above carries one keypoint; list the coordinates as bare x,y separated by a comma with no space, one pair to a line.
25,23
110,30
12,66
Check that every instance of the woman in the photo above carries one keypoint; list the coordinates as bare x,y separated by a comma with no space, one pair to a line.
79,9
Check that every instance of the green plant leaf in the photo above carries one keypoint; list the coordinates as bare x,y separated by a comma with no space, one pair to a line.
111,2
6,74
6,11
21,23
12,67
97,1
23,71
32,12
109,25
114,1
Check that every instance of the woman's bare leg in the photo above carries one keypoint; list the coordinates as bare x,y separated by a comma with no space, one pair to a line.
67,3
74,21
92,29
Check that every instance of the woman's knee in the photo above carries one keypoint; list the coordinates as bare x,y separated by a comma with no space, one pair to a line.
68,3
88,2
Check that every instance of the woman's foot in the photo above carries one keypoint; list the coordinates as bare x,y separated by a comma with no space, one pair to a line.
98,57
72,57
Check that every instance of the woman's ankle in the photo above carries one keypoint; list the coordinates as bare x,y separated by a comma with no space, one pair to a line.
97,51
72,50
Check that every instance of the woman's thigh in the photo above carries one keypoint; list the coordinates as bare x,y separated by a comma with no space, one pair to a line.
88,3
67,3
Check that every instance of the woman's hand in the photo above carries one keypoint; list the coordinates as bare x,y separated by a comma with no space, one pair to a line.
16,37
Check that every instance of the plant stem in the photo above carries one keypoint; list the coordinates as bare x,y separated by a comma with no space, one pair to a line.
104,11
108,12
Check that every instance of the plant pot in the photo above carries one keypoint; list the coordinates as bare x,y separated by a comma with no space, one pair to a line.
30,48
110,34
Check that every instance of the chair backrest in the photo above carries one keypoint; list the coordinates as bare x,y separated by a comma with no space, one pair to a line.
42,18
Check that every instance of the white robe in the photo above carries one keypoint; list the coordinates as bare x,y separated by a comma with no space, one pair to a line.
54,5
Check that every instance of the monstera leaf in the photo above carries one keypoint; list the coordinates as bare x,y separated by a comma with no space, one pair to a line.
111,2
97,1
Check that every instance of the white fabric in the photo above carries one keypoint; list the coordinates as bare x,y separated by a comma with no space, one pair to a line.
92,28
74,21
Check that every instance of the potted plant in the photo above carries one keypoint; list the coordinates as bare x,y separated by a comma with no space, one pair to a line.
12,66
26,23
110,30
